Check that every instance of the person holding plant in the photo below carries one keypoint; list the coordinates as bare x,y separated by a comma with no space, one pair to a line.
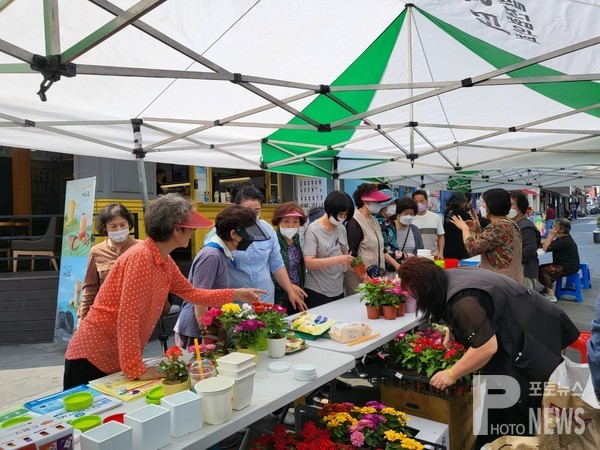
504,325
113,221
210,269
326,251
113,335
288,218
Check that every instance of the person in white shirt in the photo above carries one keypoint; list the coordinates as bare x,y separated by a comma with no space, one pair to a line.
430,224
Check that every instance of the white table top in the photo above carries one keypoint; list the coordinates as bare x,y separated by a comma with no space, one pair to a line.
271,392
350,309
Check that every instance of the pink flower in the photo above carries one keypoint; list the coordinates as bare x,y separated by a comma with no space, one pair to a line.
357,439
207,321
401,335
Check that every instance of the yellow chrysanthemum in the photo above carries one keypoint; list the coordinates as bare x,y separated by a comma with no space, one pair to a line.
231,308
392,435
411,444
364,410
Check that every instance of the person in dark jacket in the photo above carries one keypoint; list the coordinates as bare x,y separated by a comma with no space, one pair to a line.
509,330
565,256
530,235
456,206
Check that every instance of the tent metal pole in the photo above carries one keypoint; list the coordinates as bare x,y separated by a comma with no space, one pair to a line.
474,80
15,52
4,4
138,151
279,163
16,68
409,68
112,27
51,27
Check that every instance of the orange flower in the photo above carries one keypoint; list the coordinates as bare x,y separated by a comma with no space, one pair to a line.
173,353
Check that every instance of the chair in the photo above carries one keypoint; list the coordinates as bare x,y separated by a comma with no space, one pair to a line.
43,246
581,345
572,286
586,282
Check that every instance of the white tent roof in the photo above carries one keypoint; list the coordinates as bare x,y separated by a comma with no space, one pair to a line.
282,52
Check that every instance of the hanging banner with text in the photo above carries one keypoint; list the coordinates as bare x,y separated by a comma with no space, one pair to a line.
76,244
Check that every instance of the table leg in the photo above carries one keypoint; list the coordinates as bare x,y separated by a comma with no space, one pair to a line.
246,439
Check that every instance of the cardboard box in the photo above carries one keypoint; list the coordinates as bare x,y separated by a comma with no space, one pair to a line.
39,433
456,412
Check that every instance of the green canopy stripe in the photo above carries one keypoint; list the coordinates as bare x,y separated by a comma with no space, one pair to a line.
368,68
577,94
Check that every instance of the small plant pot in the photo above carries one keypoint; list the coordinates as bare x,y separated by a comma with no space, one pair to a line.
372,312
252,350
360,270
207,341
109,436
262,344
389,312
276,347
411,305
186,412
400,310
170,389
151,427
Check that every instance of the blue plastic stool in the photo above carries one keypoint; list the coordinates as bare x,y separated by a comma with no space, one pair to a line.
572,286
586,282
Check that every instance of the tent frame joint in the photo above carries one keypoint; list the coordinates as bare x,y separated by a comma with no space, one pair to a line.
324,128
28,123
467,82
323,89
237,78
52,69
138,148
533,150
412,124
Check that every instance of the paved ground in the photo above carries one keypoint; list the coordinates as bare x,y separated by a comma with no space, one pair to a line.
29,371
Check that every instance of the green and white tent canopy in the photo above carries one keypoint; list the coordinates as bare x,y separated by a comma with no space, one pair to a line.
338,88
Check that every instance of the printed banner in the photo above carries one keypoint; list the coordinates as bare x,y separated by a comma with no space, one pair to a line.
76,244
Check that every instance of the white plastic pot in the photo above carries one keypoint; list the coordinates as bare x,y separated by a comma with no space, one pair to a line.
151,427
112,435
186,412
276,347
217,399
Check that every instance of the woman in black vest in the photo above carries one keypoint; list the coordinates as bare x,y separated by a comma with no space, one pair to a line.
509,330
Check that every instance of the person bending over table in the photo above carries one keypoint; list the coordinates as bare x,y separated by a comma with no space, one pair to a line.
128,305
509,330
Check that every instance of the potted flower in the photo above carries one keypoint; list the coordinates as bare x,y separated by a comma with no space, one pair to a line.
380,292
310,437
247,334
358,266
210,326
275,325
175,370
371,426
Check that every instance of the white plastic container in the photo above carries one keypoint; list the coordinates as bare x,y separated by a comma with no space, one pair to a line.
151,427
235,361
425,253
186,412
243,390
217,399
109,436
237,373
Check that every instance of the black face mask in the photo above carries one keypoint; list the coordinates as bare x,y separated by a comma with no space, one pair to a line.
244,244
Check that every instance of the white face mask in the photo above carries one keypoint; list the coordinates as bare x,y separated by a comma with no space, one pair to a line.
118,236
374,208
483,212
422,207
406,220
512,213
391,210
334,221
288,232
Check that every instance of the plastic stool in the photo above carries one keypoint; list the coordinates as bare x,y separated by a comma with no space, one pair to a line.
572,287
581,345
586,282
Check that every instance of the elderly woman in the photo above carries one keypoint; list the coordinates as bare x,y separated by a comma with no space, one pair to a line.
113,221
210,267
565,256
408,235
499,243
130,301
289,217
364,233
509,330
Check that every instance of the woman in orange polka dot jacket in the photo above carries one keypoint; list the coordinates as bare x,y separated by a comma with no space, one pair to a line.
130,301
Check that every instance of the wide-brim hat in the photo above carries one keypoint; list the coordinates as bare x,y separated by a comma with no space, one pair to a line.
457,198
376,196
253,233
195,220
391,200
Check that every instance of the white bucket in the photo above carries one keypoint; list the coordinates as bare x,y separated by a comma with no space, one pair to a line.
217,399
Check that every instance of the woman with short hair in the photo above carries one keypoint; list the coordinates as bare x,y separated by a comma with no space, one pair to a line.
408,235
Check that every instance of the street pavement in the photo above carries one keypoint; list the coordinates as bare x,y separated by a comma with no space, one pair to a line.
29,371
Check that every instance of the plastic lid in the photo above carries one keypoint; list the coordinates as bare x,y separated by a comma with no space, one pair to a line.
279,366
86,423
78,401
154,395
15,421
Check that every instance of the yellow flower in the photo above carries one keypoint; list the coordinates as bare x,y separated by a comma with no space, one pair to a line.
392,435
411,444
231,308
364,410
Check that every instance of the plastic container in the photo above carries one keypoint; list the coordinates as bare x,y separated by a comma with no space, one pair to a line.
242,390
86,423
425,253
151,426
153,397
217,399
207,368
110,436
235,361
78,401
451,263
119,417
15,421
237,373
186,412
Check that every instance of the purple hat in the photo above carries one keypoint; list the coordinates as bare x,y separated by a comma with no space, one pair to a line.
375,196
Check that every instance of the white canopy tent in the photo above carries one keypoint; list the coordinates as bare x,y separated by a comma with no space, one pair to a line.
493,87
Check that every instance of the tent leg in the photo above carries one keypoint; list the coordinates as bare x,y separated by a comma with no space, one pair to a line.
138,151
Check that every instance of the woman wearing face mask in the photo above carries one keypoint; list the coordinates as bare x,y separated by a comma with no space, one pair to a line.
408,237
364,234
113,221
499,243
289,217
456,206
387,222
326,251
210,269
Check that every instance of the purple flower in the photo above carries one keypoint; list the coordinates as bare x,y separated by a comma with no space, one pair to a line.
249,325
374,404
374,418
357,439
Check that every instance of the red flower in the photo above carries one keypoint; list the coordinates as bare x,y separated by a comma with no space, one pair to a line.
173,353
418,349
449,354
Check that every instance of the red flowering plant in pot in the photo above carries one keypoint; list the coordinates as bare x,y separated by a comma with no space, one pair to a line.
175,371
310,438
381,292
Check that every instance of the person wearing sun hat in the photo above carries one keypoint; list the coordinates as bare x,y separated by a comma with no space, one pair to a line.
387,222
364,233
131,299
289,217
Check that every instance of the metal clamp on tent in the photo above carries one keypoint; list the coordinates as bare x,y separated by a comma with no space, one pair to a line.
412,157
138,148
52,69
